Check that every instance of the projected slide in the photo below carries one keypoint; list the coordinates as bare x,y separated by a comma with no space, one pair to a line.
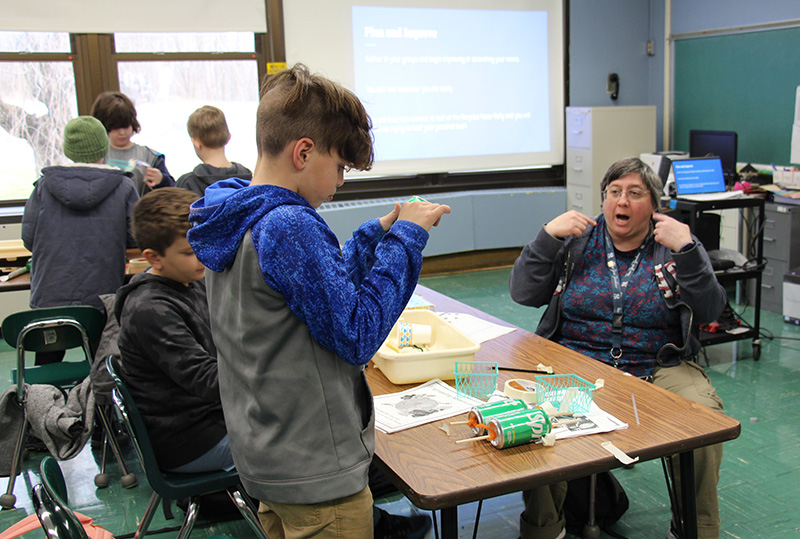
451,83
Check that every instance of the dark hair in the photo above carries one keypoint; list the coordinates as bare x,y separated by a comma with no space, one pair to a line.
207,124
160,217
296,104
116,111
634,165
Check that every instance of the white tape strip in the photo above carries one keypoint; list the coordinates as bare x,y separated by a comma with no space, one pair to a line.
618,453
520,388
569,395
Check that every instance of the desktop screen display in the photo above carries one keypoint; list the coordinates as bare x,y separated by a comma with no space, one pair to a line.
722,144
694,176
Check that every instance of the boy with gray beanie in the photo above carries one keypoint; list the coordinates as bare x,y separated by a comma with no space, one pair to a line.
77,224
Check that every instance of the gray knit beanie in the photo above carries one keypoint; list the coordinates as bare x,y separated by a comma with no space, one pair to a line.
85,140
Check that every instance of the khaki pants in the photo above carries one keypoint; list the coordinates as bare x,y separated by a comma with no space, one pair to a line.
344,518
543,517
690,381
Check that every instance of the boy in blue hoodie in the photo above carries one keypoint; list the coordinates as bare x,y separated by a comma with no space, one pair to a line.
295,317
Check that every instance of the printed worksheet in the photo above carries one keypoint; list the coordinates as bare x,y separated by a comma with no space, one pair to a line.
425,403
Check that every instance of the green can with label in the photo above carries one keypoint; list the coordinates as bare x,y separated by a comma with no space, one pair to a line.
484,412
519,427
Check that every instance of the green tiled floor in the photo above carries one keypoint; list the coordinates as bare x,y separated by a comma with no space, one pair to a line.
759,492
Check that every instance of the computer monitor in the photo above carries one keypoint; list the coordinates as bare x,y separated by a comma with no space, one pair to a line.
720,144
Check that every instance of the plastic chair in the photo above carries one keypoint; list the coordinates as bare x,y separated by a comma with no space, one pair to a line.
174,486
50,500
52,517
49,330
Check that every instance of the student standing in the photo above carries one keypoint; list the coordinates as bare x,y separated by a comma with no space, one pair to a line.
118,115
209,133
77,224
296,317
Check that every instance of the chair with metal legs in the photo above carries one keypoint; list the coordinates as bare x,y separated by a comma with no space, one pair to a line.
175,486
49,330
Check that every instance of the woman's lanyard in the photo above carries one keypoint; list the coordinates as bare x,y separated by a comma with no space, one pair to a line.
617,291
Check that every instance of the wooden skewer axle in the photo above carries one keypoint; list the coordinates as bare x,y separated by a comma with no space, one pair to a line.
475,439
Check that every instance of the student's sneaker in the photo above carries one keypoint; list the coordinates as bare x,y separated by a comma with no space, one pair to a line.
399,527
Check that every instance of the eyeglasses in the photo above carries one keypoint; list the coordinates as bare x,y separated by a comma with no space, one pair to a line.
634,195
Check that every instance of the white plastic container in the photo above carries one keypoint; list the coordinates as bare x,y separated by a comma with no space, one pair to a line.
447,346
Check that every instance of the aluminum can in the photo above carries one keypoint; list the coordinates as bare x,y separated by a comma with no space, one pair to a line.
519,427
484,412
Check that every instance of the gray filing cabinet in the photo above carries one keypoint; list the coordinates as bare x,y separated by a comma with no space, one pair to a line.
781,250
596,138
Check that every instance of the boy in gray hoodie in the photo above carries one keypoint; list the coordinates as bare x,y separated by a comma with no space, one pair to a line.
296,317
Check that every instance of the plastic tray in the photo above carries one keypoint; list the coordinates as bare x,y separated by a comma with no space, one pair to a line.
447,346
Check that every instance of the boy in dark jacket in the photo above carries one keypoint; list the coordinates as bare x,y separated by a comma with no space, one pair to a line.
169,358
209,133
77,225
169,361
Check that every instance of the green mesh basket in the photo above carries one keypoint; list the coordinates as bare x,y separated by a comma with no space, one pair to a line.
558,387
475,378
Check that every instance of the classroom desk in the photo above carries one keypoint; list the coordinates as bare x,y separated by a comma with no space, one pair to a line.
9,250
435,473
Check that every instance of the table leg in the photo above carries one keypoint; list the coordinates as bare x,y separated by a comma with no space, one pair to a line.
449,519
688,501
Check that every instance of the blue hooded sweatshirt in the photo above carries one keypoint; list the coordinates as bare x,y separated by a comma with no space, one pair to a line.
295,318
350,297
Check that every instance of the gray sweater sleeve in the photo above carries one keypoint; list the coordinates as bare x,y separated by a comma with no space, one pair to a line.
699,287
536,271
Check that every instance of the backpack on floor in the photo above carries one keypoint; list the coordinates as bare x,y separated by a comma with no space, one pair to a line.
611,502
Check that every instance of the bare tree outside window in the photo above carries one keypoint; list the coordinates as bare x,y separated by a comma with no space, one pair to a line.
37,99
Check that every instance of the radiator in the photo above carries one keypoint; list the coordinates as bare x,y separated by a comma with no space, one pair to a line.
479,220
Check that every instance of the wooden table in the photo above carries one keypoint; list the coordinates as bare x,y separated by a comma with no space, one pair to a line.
13,249
435,473
14,254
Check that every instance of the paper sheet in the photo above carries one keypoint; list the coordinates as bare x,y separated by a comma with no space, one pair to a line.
425,403
594,421
479,330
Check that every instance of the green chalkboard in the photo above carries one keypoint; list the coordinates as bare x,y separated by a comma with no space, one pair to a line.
744,82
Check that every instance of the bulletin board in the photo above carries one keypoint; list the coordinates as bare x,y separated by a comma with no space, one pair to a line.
744,82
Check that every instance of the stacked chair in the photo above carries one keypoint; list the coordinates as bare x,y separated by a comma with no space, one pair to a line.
49,330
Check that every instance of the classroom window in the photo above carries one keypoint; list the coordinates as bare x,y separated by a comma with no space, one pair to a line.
34,42
166,93
37,99
184,42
